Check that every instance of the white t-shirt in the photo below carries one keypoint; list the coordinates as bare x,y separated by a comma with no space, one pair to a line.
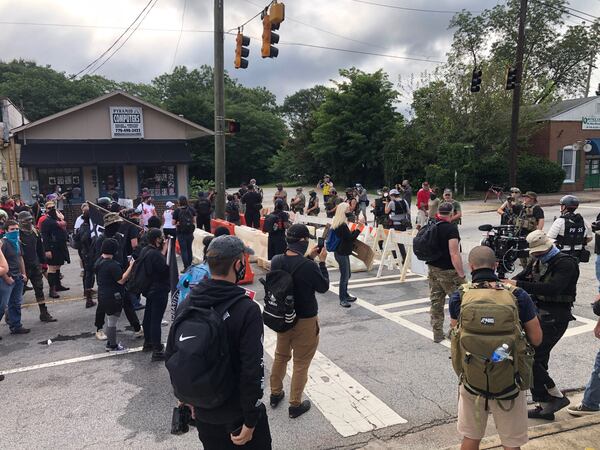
79,222
558,229
168,219
147,211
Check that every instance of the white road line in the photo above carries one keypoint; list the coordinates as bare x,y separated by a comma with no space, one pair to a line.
384,283
575,331
70,361
394,318
383,280
404,303
411,312
345,403
385,277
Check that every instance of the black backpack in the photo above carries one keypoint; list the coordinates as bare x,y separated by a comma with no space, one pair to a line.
425,243
139,282
198,357
279,313
185,222
400,207
203,206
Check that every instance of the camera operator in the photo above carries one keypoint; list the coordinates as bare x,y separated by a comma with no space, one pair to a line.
379,205
570,231
510,208
551,280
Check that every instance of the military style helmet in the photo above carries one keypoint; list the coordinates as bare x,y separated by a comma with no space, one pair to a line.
569,202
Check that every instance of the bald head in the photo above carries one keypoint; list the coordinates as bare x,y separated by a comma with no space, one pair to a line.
482,257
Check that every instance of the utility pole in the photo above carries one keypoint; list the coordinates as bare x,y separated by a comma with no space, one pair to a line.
219,88
589,74
514,128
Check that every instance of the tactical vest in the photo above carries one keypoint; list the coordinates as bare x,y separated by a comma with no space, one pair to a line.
489,318
525,220
573,237
547,276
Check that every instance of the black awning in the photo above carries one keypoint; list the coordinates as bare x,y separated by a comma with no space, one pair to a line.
93,153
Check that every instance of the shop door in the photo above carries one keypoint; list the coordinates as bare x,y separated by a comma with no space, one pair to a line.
592,173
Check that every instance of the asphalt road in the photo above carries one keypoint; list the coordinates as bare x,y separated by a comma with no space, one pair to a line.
378,370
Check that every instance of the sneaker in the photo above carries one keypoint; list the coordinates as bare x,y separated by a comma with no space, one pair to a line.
438,337
21,330
275,399
351,299
147,347
297,411
46,317
158,356
345,304
116,348
582,410
556,404
139,333
61,288
537,413
100,335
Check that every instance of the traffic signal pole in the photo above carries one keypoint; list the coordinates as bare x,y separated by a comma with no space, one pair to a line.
219,88
514,131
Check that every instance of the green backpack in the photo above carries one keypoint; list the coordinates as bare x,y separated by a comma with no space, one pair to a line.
489,318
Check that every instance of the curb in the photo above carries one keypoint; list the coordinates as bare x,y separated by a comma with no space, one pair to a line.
543,204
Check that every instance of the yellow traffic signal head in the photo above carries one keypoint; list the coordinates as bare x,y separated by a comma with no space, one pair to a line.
268,38
241,51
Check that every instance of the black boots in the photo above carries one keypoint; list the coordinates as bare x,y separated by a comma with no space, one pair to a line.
52,282
44,314
158,353
89,303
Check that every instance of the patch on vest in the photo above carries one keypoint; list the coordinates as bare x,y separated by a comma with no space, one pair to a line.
488,321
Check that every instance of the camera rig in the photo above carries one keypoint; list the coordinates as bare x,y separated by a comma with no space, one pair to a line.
507,245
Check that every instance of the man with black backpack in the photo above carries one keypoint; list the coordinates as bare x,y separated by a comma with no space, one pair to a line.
215,354
438,244
493,325
203,211
183,219
253,201
551,279
301,340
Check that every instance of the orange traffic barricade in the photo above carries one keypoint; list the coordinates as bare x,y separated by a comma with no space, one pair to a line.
216,223
249,277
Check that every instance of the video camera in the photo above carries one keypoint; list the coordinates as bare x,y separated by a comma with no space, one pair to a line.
507,245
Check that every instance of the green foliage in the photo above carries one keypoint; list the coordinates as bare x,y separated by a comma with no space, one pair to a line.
539,175
196,185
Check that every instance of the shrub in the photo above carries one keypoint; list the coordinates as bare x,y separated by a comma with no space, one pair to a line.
197,185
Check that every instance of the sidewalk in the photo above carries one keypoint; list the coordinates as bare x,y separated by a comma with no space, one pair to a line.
565,433
544,200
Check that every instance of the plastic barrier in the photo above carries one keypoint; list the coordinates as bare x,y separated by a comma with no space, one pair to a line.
255,239
216,223
262,223
242,219
197,245
249,276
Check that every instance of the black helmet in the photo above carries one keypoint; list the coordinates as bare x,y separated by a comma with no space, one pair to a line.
570,202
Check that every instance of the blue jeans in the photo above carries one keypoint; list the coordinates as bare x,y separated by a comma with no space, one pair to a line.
591,396
598,271
156,303
185,245
12,295
344,263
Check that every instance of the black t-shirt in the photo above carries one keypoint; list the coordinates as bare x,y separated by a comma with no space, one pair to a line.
158,270
177,217
253,201
130,231
108,273
445,232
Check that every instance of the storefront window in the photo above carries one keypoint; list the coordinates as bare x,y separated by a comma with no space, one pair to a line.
159,180
68,178
568,164
110,179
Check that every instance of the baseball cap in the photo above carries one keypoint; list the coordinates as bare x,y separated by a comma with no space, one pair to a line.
169,204
447,191
111,218
24,215
446,208
224,247
515,190
531,194
394,192
298,231
538,242
110,246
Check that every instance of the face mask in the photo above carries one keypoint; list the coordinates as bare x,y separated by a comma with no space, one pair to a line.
27,225
240,273
13,237
299,247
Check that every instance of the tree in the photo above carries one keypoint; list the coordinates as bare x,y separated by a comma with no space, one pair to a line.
353,126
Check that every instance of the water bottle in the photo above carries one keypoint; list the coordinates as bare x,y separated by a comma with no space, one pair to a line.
500,354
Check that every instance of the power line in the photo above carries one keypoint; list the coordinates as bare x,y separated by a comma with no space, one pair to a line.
126,39
102,27
114,43
180,33
251,18
383,5
564,11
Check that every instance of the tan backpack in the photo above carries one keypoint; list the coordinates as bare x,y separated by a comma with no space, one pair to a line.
489,318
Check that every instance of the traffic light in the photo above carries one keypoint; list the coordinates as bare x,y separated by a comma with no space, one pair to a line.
276,15
241,51
233,126
511,78
269,38
476,80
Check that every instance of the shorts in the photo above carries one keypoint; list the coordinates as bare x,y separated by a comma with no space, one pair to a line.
511,425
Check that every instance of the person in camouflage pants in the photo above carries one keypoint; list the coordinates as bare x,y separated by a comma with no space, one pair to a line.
442,283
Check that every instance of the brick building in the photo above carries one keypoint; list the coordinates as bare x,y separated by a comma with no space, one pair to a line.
570,136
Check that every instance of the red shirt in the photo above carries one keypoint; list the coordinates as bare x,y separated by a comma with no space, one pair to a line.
423,198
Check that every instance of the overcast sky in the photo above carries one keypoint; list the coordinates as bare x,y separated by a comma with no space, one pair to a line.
151,51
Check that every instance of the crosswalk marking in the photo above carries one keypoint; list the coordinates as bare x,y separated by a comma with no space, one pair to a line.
404,303
383,283
345,403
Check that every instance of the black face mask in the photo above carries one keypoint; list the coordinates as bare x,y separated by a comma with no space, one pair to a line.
52,213
241,272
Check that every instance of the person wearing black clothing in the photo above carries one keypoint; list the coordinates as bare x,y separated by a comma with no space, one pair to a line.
551,280
275,224
232,210
156,268
253,202
112,224
183,219
33,256
300,342
344,249
203,211
131,230
54,237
